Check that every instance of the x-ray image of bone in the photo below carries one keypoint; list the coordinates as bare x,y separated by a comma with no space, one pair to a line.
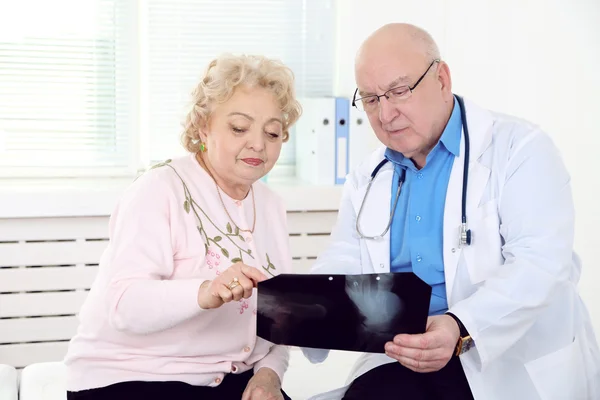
344,312
376,302
295,304
287,313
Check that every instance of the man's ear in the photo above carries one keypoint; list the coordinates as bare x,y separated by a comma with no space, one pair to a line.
445,80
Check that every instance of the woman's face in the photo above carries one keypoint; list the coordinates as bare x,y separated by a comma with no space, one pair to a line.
244,136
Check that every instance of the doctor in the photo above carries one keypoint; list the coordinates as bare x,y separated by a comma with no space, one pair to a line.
479,206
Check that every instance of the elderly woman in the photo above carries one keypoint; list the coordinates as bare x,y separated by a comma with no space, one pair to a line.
172,313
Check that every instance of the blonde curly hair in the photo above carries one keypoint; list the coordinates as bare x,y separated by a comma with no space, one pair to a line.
223,75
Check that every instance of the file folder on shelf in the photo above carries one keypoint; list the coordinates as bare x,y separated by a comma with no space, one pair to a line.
322,141
332,138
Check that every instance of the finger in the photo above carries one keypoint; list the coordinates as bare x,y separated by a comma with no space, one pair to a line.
417,354
254,274
246,394
421,366
224,293
247,285
237,292
423,341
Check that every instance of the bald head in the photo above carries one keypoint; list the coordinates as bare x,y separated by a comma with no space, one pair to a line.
407,95
398,38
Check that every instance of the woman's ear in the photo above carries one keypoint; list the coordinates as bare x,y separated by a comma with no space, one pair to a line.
203,132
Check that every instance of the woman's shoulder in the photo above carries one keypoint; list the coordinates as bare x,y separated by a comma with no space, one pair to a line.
160,183
170,171
268,196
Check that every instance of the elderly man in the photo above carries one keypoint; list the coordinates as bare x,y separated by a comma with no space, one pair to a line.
479,206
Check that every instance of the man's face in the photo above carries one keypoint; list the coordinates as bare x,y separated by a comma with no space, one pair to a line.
411,126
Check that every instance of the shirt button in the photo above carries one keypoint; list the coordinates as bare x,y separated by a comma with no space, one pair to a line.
420,175
381,265
419,259
218,380
246,349
418,218
453,250
234,368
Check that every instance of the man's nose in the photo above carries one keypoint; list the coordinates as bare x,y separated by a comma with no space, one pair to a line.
387,111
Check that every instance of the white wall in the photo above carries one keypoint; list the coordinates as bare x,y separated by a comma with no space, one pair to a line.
537,59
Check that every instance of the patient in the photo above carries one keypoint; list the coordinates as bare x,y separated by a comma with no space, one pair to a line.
172,313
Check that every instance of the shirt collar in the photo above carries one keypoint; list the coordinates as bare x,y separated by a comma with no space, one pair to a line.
452,133
450,139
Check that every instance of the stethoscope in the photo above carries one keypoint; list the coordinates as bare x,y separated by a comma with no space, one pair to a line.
464,231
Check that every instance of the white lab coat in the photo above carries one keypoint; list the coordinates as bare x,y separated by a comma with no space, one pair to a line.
515,287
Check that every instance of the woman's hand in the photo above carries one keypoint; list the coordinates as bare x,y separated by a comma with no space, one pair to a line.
235,283
264,385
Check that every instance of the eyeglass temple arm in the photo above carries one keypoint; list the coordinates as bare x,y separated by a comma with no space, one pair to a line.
354,98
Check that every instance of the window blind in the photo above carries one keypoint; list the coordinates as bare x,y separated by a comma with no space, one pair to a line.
67,85
184,35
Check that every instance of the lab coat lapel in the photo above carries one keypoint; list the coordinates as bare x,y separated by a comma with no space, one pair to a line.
479,122
375,216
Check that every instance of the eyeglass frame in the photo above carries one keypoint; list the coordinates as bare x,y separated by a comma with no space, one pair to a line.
385,94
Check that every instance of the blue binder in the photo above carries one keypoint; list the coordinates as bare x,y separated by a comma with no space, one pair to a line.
342,139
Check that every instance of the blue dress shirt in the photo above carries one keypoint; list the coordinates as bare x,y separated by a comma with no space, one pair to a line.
416,234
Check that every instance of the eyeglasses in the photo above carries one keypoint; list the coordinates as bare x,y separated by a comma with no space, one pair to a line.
395,95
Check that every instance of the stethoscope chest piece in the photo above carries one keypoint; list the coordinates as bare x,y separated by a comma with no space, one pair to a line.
464,235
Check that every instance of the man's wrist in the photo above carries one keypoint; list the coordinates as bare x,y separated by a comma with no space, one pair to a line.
461,328
465,341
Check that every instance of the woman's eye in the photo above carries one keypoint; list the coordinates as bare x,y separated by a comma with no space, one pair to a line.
238,130
273,135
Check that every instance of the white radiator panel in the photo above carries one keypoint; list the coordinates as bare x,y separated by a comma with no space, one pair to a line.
47,266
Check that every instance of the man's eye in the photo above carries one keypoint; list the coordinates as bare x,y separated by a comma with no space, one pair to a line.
399,92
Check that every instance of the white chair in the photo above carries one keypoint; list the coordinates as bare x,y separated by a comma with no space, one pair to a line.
303,379
9,386
43,381
46,381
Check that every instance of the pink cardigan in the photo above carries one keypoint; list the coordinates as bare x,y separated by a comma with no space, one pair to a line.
141,320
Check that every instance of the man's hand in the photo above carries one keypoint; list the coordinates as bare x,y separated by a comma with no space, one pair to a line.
264,385
427,352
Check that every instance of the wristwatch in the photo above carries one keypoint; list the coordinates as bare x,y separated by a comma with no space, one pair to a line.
465,341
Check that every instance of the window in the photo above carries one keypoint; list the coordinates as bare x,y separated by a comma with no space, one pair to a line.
101,87
66,81
184,35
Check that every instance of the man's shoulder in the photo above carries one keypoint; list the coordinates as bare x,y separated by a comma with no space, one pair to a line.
508,131
511,123
364,168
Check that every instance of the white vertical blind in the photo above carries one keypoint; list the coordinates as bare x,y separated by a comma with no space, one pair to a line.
67,85
184,35
94,87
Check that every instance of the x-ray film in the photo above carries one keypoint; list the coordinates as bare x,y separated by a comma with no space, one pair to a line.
341,312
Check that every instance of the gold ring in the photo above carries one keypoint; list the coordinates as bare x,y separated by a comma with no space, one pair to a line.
235,282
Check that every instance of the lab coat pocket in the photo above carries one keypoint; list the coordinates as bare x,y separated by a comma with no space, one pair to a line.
484,255
560,375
